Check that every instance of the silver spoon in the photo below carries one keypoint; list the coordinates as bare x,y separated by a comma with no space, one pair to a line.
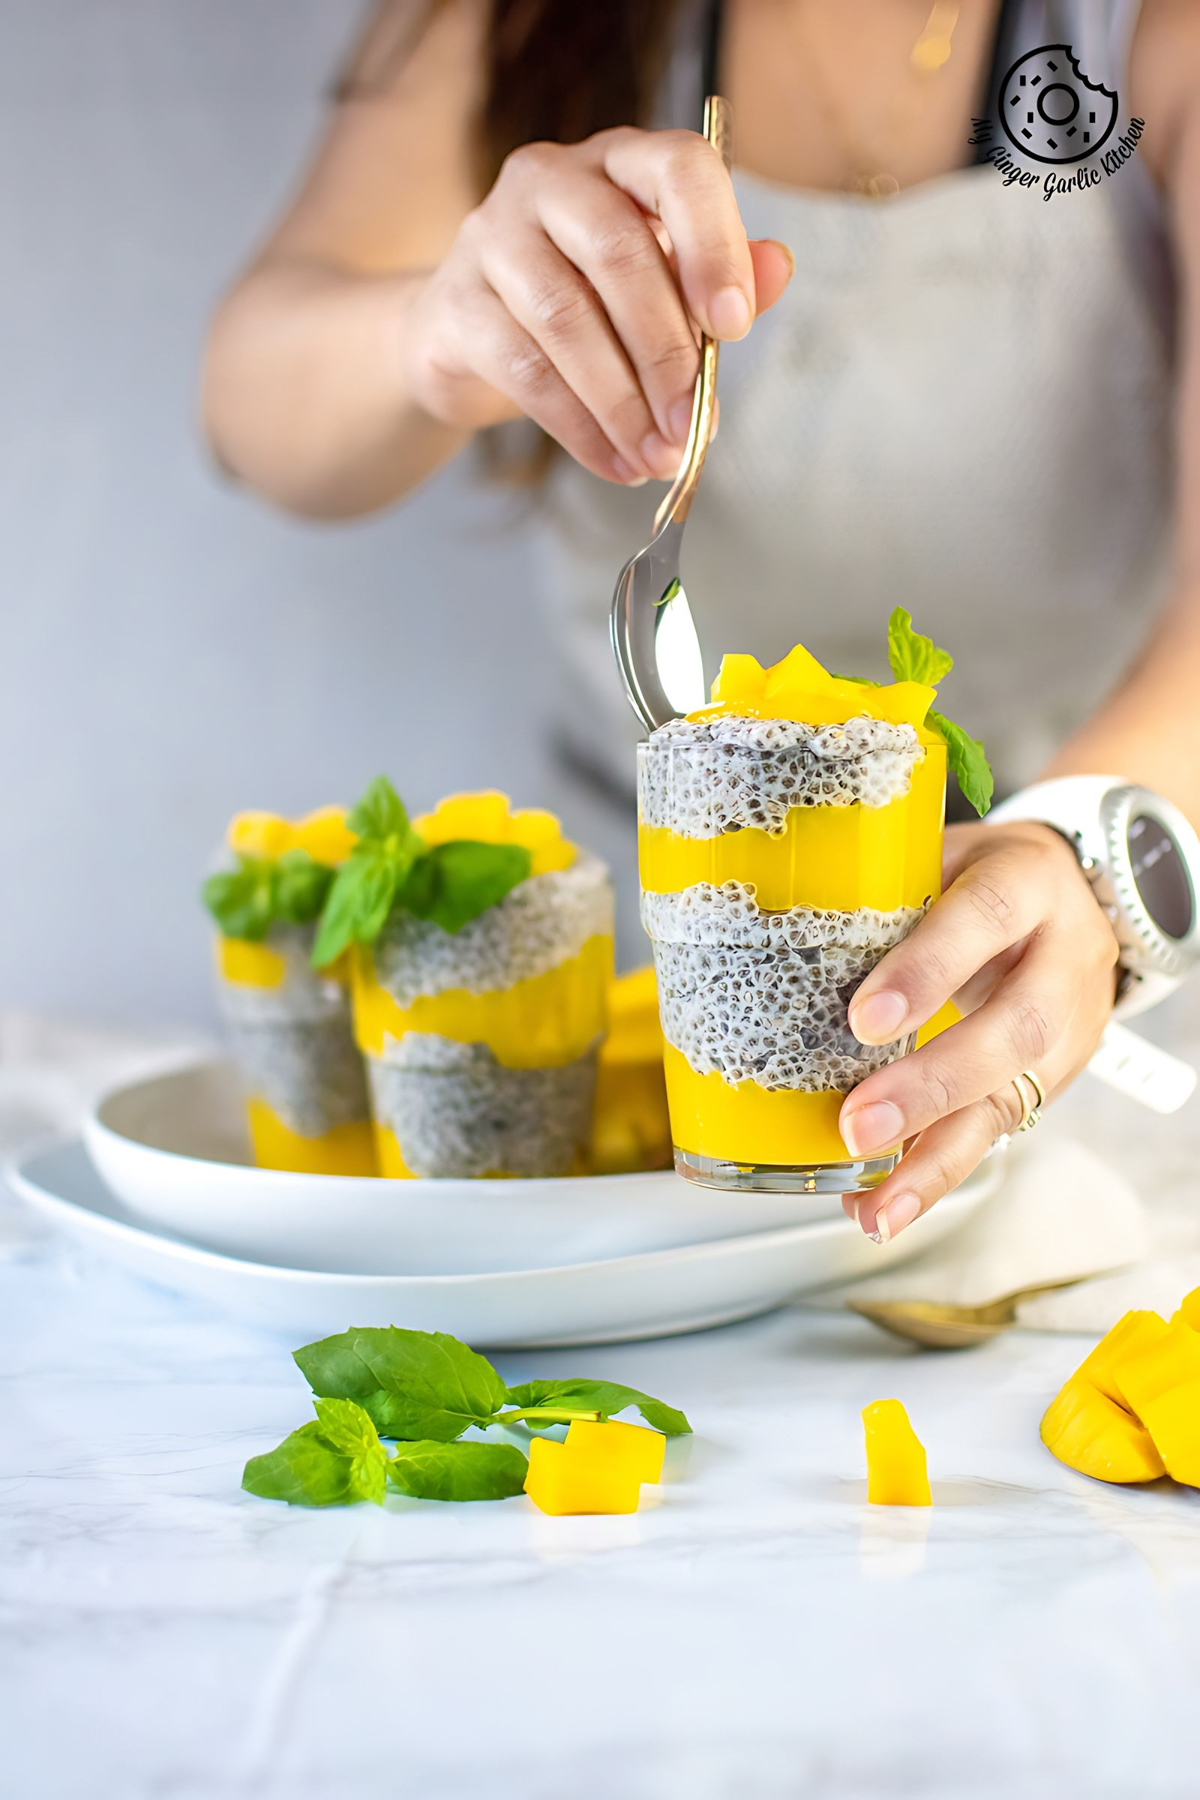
654,638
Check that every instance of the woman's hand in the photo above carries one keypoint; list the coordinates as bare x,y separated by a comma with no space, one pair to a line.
1020,944
569,295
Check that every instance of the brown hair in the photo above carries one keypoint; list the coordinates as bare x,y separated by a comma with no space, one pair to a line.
557,70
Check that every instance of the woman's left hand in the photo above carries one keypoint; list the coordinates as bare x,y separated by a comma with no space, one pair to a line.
1021,945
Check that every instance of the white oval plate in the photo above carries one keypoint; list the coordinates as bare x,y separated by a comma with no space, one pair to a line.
174,1150
654,1295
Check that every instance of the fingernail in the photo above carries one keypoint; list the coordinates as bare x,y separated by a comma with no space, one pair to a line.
894,1215
878,1018
658,455
729,313
623,472
879,1126
787,251
680,420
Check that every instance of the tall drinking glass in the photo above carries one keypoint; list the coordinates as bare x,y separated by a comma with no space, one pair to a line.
779,862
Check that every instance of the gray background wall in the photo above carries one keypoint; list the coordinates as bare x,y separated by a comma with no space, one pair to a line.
170,650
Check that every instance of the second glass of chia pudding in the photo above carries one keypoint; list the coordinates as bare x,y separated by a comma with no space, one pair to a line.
781,857
482,1043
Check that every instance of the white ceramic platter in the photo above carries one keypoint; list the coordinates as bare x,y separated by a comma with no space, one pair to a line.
652,1295
174,1150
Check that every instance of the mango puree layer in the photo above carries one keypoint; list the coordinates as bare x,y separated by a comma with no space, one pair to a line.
827,857
345,1150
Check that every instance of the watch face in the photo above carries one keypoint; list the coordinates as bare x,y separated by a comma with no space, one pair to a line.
1160,876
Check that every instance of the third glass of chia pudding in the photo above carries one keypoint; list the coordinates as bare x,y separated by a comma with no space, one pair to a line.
789,836
481,1042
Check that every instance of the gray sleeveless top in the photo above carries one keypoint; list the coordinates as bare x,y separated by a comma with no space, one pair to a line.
961,406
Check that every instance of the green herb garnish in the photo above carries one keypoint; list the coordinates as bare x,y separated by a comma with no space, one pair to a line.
914,657
260,892
669,592
423,1389
391,866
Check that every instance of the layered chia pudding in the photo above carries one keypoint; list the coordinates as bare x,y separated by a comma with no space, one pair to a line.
781,857
302,1073
482,1042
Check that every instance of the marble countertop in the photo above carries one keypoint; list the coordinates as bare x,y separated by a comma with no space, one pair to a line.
759,1631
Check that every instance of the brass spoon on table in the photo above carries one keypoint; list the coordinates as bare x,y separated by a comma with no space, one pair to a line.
941,1327
653,636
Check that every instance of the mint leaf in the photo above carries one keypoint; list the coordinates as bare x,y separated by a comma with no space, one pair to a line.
912,656
301,887
334,1460
380,813
434,1471
413,1384
669,592
603,1397
243,900
968,759
453,883
359,902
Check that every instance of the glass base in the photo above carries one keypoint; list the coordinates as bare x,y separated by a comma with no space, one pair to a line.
785,1178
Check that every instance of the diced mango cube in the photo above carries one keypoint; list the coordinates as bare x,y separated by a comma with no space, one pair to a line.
896,1469
1091,1433
325,835
634,1448
1146,1373
799,671
740,682
1189,1308
1133,1332
901,702
259,834
1173,1421
565,1480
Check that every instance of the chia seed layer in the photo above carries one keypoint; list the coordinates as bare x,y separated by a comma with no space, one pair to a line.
456,1111
703,777
543,922
763,997
294,1043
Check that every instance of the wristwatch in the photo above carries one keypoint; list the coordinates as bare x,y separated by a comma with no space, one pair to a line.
1142,858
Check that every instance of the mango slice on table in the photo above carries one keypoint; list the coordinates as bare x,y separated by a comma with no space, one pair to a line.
1173,1421
896,1469
562,1479
634,1448
1095,1436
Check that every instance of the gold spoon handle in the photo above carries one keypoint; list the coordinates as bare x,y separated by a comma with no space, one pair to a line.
718,129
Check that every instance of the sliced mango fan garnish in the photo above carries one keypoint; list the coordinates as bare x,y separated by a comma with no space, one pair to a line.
800,688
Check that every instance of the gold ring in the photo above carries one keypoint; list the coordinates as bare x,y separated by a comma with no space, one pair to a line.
1031,1110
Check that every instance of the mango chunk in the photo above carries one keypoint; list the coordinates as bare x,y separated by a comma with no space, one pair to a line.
565,1480
634,1448
487,817
740,682
1189,1309
1173,1421
1091,1433
259,834
1169,1361
325,835
1132,1333
798,672
896,1469
900,702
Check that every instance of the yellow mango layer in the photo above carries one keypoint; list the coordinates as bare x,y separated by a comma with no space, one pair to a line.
346,1150
249,965
896,1467
744,1123
1090,1433
540,1023
633,1448
563,1479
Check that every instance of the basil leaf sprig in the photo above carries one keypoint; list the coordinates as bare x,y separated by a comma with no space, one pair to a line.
260,892
392,866
425,1390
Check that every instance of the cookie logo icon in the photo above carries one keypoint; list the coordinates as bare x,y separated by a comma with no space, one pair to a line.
1049,109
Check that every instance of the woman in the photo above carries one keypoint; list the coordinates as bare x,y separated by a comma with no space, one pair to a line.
961,401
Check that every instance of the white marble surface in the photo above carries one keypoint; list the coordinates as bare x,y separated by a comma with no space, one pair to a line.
759,1631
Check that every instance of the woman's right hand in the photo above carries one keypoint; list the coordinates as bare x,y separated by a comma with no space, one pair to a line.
572,295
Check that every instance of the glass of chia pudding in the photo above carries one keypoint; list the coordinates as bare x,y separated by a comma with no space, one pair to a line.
789,836
481,1043
302,1073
